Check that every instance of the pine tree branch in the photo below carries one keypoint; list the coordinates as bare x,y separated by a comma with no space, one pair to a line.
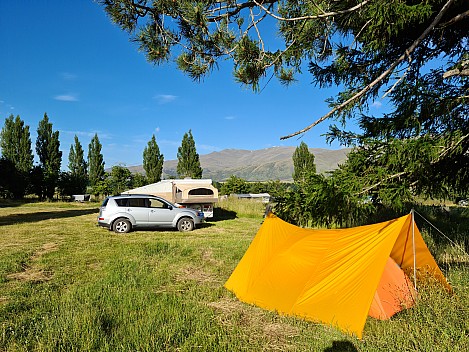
382,76
444,153
455,19
315,17
381,182
237,8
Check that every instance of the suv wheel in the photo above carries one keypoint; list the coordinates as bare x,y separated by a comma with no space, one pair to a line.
185,224
121,226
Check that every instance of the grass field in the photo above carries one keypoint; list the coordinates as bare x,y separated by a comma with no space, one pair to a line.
67,285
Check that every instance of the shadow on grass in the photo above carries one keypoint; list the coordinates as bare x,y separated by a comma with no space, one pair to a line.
45,215
221,214
341,346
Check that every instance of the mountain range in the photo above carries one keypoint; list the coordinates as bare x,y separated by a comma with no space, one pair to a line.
274,163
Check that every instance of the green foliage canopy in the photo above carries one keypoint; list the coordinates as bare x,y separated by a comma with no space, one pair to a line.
50,156
414,53
234,185
188,158
303,162
15,142
17,157
78,178
119,179
153,161
95,162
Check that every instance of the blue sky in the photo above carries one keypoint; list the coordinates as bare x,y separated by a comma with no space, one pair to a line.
67,59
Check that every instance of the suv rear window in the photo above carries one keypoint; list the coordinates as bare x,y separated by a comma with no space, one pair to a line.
137,202
132,202
121,202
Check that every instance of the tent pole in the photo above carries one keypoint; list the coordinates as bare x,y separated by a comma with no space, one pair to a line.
413,249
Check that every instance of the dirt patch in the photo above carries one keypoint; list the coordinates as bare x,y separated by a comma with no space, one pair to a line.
283,330
30,272
191,273
207,256
46,248
255,322
31,275
227,305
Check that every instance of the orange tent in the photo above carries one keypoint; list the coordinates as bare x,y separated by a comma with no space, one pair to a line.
335,276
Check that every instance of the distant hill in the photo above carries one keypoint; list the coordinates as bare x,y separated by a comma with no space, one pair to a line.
256,165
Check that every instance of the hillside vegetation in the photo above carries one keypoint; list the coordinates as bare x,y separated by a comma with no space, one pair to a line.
67,285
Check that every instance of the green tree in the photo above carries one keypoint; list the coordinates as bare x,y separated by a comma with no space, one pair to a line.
103,186
78,168
119,179
153,161
138,180
37,182
95,163
12,181
188,159
50,156
234,185
322,201
303,162
412,54
15,143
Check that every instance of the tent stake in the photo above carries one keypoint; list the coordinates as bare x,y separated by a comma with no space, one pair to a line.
413,248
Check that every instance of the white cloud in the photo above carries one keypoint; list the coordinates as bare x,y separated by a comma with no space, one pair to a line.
157,129
230,117
66,97
377,104
8,106
168,142
68,76
207,148
165,98
87,134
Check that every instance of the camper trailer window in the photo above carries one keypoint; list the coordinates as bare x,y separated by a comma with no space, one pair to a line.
201,192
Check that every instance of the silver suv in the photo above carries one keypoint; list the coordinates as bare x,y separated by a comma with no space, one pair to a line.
126,212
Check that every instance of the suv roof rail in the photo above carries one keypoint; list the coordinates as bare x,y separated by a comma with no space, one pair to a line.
133,194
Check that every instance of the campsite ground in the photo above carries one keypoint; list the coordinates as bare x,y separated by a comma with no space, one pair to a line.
66,284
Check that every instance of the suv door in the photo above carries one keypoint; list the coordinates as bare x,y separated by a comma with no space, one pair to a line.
137,207
161,213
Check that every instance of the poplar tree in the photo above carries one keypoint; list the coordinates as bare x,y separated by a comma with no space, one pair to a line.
17,157
95,162
50,156
78,167
153,161
188,159
15,142
303,162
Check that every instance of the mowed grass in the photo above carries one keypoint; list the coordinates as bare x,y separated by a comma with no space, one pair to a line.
68,285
